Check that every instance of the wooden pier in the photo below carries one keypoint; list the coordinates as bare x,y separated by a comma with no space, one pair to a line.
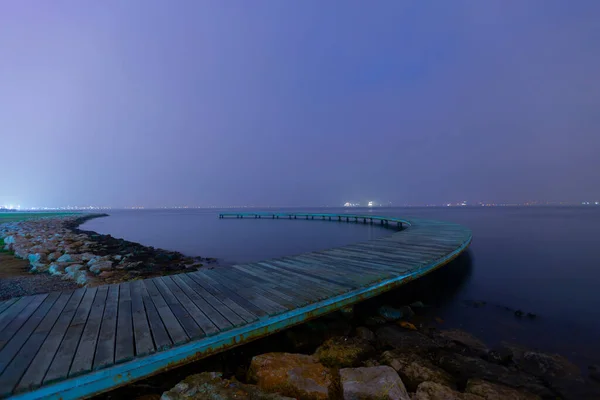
76,344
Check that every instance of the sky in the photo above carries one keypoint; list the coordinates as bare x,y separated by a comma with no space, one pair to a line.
298,103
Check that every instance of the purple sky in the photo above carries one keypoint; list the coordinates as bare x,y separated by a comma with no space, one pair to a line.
156,103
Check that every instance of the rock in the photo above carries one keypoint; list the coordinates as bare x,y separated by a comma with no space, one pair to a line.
118,257
294,375
54,256
407,325
465,340
56,269
9,242
82,277
417,304
372,383
36,262
211,386
107,274
390,313
493,391
375,320
365,334
87,256
101,266
500,355
404,340
547,366
72,270
65,258
464,368
343,352
414,369
435,391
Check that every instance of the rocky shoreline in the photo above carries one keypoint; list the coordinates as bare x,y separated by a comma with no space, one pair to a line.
56,247
373,352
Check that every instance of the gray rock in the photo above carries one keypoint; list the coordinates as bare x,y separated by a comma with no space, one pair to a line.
54,256
82,277
101,266
372,383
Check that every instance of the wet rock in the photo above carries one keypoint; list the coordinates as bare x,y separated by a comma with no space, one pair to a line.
435,391
493,391
465,340
365,334
372,383
342,352
414,369
101,266
295,375
211,386
404,340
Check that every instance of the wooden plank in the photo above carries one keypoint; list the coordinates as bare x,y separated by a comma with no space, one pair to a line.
34,375
19,319
215,317
241,300
141,328
29,346
59,368
12,311
186,320
124,345
105,348
257,293
8,303
289,265
247,315
10,350
176,331
199,316
227,312
161,337
297,294
319,285
84,357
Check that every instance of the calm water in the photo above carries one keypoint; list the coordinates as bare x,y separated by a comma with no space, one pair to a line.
540,260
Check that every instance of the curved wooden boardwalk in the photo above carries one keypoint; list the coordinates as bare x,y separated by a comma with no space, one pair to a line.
79,343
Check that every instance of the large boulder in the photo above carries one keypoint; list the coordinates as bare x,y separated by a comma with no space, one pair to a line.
295,375
414,369
211,386
493,391
435,391
343,352
101,266
372,383
404,340
365,333
9,242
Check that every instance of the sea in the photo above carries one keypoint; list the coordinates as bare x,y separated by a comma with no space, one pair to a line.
541,261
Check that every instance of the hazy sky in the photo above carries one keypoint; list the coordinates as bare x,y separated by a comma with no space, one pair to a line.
198,102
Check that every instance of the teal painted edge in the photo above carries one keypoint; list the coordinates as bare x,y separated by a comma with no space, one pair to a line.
110,378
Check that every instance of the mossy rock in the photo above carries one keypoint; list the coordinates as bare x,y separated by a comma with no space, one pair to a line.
344,352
